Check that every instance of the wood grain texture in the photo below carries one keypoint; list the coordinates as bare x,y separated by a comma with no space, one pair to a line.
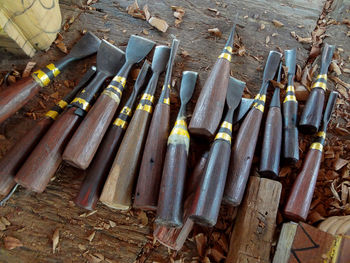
272,142
85,141
18,94
242,154
300,197
211,101
252,234
148,183
119,185
15,157
44,160
96,174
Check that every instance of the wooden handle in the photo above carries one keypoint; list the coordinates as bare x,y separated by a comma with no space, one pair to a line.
174,238
14,158
96,174
85,141
290,131
18,94
119,184
170,206
147,188
242,157
210,104
44,160
208,196
312,114
300,197
271,149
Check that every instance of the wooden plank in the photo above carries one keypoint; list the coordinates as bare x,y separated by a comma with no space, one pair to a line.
252,235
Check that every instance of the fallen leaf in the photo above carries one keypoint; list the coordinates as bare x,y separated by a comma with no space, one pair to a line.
215,31
277,23
334,67
158,23
55,240
26,72
241,51
12,243
62,47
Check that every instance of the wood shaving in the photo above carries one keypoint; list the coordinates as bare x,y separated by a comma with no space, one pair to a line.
12,243
262,26
147,13
5,221
158,23
178,14
145,32
26,72
215,31
11,79
277,23
267,40
185,53
142,216
135,11
91,236
340,82
340,163
94,258
112,223
241,51
61,46
2,226
55,240
81,247
201,242
334,67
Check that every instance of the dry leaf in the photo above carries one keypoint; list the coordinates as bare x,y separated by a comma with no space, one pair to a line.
342,91
215,31
334,67
334,192
91,236
277,23
339,81
340,163
12,243
241,51
55,240
267,40
158,23
201,243
62,47
26,72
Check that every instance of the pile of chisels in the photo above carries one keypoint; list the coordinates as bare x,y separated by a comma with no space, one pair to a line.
133,158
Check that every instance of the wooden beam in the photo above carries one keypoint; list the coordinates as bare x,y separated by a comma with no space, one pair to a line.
253,231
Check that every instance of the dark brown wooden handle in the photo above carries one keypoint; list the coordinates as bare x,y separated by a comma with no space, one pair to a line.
119,185
170,202
271,148
14,158
18,94
97,172
147,187
175,237
300,197
312,114
210,104
85,141
242,157
291,144
44,160
207,200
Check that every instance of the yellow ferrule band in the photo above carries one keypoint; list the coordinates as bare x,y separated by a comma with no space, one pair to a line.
262,98
223,136
115,88
166,101
112,95
290,98
147,97
317,146
180,131
145,107
321,134
62,104
120,123
55,71
226,125
257,96
126,110
225,56
119,79
52,114
229,49
322,76
290,88
260,107
320,85
85,104
41,76
181,122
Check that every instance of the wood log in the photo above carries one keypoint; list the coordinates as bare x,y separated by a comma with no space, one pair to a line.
304,243
251,239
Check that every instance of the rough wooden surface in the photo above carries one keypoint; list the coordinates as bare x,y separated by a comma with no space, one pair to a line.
35,217
252,235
